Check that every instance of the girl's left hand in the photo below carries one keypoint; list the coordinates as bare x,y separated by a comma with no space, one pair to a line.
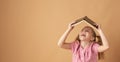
99,28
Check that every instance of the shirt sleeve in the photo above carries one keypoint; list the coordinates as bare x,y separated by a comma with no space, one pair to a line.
95,47
74,46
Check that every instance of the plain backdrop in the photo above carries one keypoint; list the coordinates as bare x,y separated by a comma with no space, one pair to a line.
30,29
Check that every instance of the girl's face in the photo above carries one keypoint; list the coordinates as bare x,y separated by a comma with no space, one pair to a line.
86,34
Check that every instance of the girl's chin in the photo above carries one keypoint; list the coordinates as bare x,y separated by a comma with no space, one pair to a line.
82,39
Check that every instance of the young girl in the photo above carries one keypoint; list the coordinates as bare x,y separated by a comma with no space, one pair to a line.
85,48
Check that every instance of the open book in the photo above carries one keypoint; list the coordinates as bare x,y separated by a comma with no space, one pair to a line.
86,19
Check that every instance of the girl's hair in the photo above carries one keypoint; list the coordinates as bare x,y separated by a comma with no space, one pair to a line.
97,39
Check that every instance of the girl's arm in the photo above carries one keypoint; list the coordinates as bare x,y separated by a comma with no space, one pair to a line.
105,44
61,42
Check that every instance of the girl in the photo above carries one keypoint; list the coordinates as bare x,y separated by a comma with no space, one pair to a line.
85,48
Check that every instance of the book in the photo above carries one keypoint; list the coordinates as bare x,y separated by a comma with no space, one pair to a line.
78,21
90,22
86,19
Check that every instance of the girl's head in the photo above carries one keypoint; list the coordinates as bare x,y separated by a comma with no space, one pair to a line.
87,34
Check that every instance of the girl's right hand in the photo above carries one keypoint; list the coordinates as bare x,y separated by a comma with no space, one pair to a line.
71,25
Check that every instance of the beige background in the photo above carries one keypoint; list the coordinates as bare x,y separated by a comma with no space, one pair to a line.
30,29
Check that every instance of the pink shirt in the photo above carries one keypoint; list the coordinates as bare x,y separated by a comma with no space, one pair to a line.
88,54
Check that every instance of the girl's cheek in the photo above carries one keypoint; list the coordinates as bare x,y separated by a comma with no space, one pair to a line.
88,35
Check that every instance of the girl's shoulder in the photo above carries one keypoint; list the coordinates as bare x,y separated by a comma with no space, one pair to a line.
76,42
94,44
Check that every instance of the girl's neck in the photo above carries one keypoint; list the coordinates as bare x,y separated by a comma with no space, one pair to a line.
84,44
